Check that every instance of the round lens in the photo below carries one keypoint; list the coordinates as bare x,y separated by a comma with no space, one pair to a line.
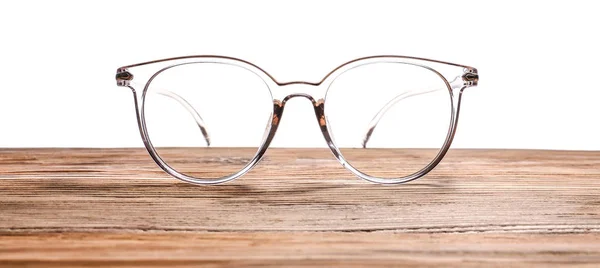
389,120
207,120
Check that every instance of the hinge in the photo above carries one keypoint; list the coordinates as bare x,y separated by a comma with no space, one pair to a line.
123,77
470,78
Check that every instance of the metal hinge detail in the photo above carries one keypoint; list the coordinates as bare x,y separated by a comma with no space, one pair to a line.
123,77
471,78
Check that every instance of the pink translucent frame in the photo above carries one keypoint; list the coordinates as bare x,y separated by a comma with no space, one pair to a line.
456,77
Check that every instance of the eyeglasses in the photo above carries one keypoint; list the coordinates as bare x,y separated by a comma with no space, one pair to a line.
209,119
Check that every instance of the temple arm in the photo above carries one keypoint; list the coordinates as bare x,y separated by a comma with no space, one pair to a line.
190,109
373,123
455,83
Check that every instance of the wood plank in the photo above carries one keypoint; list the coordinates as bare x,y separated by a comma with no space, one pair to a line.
300,190
65,206
298,249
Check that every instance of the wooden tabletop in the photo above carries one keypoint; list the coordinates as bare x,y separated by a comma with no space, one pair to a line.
299,207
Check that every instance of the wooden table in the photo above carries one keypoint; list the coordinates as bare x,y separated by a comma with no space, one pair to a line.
299,207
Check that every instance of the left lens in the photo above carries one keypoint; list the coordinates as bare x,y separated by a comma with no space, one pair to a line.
401,113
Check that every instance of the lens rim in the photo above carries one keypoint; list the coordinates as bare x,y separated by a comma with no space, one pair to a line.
174,172
428,167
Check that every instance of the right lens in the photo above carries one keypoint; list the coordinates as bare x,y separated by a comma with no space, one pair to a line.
190,105
401,113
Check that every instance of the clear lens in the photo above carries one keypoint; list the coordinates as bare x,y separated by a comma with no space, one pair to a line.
189,106
401,113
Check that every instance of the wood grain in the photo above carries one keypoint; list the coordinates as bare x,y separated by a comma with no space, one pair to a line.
299,207
298,249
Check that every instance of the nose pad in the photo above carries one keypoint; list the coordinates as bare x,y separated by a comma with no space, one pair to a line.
297,124
275,119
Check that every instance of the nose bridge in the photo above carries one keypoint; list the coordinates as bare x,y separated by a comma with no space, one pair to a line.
287,91
303,95
315,93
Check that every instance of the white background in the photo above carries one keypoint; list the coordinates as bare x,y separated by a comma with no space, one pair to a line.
539,85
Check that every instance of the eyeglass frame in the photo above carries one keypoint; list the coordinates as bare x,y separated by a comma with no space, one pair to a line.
469,78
